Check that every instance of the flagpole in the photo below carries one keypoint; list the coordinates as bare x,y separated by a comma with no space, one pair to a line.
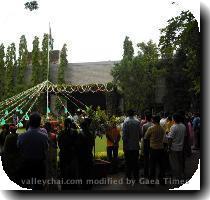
48,67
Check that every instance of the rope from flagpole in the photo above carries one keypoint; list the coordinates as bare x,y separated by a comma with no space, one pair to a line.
68,94
56,93
32,105
15,97
18,100
24,104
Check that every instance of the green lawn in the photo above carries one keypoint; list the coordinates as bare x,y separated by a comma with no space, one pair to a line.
100,142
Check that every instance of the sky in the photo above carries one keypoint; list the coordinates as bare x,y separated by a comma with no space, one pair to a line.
94,30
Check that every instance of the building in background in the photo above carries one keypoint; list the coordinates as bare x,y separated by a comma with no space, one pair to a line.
92,73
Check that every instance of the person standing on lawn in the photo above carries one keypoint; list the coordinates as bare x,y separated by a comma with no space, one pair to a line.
68,155
176,138
33,146
148,124
3,135
113,138
11,156
155,135
86,142
131,137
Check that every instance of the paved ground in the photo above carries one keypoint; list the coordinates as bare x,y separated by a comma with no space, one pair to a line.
117,183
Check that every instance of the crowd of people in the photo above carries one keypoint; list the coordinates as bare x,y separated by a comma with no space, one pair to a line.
166,141
163,141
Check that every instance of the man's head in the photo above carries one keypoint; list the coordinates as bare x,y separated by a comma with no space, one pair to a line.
13,128
177,118
156,119
166,114
169,118
86,124
131,113
6,127
48,127
197,114
35,120
148,116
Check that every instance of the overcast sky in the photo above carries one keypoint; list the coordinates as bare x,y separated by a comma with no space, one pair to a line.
94,30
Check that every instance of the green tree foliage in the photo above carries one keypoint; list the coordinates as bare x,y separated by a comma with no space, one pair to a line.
136,77
2,72
44,58
10,70
31,5
63,65
177,96
128,49
148,52
182,32
60,75
22,63
36,72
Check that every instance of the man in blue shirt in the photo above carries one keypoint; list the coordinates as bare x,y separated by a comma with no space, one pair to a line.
131,137
33,146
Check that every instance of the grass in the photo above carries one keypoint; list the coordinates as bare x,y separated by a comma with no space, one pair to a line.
100,142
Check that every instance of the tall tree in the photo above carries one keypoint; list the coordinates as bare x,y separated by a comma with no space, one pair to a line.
2,72
63,65
44,58
136,78
22,63
149,52
60,75
177,94
31,5
35,78
128,49
10,70
182,32
182,35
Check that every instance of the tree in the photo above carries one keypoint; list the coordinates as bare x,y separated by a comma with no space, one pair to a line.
61,71
44,58
35,78
128,49
136,77
22,63
2,72
182,32
148,52
63,65
177,96
31,5
10,70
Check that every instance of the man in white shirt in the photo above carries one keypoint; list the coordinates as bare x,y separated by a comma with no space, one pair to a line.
176,142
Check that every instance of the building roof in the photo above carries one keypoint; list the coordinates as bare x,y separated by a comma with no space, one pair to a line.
85,73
